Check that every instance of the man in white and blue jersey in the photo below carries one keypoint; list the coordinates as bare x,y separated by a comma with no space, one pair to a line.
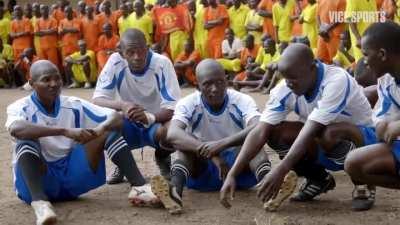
207,129
148,90
60,143
379,164
334,116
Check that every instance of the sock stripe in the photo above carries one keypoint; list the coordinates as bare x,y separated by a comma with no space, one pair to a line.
263,167
116,148
26,149
114,143
180,168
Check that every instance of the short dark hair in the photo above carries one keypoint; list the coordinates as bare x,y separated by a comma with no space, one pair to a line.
384,35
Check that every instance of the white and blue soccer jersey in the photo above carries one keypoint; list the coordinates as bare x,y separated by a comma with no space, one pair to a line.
388,105
206,125
157,87
336,98
70,112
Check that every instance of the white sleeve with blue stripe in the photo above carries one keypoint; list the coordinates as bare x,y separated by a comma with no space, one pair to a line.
184,109
247,107
91,114
387,107
278,105
334,99
15,112
106,86
169,86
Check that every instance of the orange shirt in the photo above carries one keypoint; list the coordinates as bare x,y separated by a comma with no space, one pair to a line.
107,43
268,27
23,25
91,33
248,53
47,41
70,38
195,56
323,9
297,29
90,2
59,15
217,32
102,18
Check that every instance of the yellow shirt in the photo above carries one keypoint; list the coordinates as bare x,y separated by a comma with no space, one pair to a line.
7,53
263,59
144,23
78,71
5,27
397,13
7,14
360,6
237,18
281,18
253,18
342,59
310,29
123,25
150,2
199,33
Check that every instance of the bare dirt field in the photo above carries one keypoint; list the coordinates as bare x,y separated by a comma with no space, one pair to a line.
109,205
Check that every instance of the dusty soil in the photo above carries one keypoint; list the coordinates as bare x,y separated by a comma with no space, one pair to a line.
109,205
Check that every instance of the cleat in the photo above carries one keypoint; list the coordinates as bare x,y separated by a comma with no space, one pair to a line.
311,188
143,196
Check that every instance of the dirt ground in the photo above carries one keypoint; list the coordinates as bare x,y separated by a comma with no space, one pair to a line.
109,205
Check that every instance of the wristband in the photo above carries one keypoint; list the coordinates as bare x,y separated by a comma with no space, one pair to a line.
151,118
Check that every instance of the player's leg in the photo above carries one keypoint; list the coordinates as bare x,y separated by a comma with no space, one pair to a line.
29,175
163,149
318,180
87,72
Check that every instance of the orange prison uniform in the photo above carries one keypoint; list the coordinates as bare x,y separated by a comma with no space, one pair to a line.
216,34
297,29
21,43
69,41
104,44
90,2
102,18
246,53
189,72
90,33
59,15
48,43
327,50
268,27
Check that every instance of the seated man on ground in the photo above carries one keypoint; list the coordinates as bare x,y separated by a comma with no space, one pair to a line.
143,85
334,118
207,129
60,143
379,164
107,45
247,57
185,63
231,48
6,64
259,77
81,67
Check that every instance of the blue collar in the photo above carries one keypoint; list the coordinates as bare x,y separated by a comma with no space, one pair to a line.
38,104
146,67
320,76
226,99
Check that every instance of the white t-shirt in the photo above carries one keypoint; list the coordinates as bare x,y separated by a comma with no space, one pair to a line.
337,98
388,105
157,87
236,47
70,112
207,125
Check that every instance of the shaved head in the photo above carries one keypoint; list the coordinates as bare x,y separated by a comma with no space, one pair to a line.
212,83
133,36
299,68
209,67
42,67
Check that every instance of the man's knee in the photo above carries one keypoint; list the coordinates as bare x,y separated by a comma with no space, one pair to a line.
27,147
353,164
